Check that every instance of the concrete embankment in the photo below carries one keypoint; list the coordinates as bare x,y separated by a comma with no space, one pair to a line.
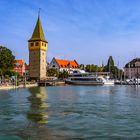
51,83
7,87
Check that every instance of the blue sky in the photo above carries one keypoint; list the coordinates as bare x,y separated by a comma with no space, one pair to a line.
86,30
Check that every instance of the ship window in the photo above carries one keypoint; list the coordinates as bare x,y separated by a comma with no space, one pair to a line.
32,44
36,44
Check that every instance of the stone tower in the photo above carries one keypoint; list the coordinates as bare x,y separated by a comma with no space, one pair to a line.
37,45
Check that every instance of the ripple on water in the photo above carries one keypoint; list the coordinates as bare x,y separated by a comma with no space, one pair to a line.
70,112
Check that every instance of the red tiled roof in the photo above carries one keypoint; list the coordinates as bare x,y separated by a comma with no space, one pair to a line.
20,62
67,63
19,66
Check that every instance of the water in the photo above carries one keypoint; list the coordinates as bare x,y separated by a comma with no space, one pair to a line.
70,112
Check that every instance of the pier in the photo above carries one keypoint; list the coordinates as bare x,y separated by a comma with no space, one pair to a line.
51,83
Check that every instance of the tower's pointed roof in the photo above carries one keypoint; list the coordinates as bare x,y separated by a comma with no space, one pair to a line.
38,33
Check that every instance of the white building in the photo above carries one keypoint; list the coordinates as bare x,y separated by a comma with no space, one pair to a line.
67,65
132,69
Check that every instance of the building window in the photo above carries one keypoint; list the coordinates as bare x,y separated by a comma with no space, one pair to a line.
36,44
32,44
42,44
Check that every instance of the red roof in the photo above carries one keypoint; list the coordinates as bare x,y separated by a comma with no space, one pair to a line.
20,62
67,63
19,67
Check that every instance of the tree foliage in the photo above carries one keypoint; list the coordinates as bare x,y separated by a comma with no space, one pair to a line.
61,75
6,59
115,72
52,72
93,68
110,64
82,67
64,74
8,73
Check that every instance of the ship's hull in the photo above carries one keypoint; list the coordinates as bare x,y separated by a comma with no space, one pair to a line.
109,83
72,82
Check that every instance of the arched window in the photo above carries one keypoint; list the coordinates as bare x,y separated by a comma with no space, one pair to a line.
36,44
32,44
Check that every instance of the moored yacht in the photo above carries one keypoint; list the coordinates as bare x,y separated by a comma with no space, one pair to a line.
84,79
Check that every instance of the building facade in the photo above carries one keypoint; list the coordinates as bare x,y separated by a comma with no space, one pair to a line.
37,45
19,67
67,65
132,69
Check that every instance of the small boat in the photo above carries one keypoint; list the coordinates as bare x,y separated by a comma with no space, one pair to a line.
84,79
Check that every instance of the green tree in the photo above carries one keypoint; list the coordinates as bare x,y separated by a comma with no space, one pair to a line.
110,64
92,68
87,68
100,69
52,72
6,59
82,67
9,73
62,75
115,72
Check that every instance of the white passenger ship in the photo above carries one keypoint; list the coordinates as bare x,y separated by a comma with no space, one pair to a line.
84,78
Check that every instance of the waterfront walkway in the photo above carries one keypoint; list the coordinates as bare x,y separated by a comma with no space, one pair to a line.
7,87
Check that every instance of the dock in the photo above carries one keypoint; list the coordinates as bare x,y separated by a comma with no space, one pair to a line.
51,83
126,83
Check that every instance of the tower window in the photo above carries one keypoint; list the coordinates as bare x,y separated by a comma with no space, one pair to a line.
42,44
36,44
45,44
32,44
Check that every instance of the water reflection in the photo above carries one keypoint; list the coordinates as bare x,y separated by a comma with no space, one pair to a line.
38,106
